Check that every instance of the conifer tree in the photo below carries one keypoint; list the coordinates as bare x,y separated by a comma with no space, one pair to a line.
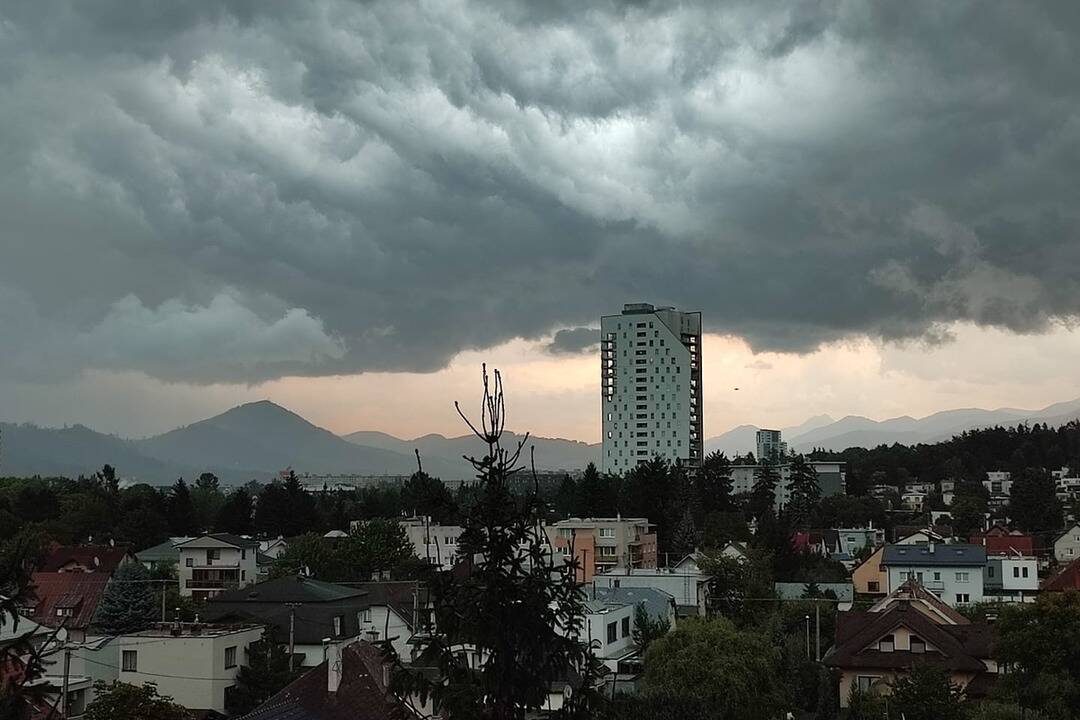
805,493
181,510
763,493
506,624
129,603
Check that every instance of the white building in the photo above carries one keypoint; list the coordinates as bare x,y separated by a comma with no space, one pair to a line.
192,663
770,446
832,479
650,361
608,630
685,582
1011,578
1067,545
212,563
952,572
431,541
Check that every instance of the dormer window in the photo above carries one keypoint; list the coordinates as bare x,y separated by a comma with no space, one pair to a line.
887,644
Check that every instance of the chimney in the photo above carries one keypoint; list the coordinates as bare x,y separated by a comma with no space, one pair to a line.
333,666
930,545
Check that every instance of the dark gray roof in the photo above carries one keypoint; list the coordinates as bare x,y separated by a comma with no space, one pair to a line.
229,538
934,554
290,589
657,602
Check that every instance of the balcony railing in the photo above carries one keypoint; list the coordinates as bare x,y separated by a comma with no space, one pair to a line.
212,584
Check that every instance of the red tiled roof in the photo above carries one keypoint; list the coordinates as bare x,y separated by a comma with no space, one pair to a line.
1067,579
99,558
362,694
81,592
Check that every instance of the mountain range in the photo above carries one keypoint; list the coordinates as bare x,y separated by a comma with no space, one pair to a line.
257,440
857,431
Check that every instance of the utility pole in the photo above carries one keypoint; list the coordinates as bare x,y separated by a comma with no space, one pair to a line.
292,633
817,618
807,621
64,689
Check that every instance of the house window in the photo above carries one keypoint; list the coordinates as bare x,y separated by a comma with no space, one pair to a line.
230,657
608,532
961,577
612,632
189,562
626,627
607,551
886,644
917,644
243,554
989,571
214,554
1024,571
566,533
129,661
364,616
873,586
337,625
962,598
937,576
866,682
1016,572
65,612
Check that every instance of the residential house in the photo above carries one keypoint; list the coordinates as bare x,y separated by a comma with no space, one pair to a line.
1011,578
916,536
193,663
317,610
1067,545
732,550
1000,540
876,647
841,544
274,547
211,564
49,643
69,584
869,577
686,583
353,683
953,572
658,604
608,630
1068,578
162,555
601,544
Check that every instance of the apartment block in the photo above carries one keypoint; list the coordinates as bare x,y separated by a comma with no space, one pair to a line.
650,360
832,479
601,544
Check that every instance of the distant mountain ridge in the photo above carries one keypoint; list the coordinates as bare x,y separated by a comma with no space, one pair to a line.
858,431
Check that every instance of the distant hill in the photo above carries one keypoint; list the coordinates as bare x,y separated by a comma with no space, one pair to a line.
743,439
551,453
267,437
854,431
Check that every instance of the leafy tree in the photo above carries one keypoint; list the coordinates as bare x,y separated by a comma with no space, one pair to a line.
737,586
684,539
514,605
722,527
236,513
648,629
1033,502
286,509
265,672
87,516
805,493
129,603
108,481
657,706
208,481
763,493
967,513
122,701
1040,644
927,693
372,546
427,496
736,673
180,510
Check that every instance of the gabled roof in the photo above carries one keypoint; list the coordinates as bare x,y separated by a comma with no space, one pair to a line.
1067,579
398,595
934,554
362,694
227,538
98,558
78,592
289,589
162,551
1071,529
912,592
958,647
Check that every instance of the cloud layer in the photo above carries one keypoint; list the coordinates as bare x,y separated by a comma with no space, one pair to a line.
237,192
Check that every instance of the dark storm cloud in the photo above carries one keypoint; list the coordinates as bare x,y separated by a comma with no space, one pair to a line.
574,341
239,191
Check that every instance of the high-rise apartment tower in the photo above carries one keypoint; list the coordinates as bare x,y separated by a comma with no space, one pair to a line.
650,360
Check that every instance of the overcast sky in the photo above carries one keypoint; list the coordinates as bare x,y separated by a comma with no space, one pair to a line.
347,206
